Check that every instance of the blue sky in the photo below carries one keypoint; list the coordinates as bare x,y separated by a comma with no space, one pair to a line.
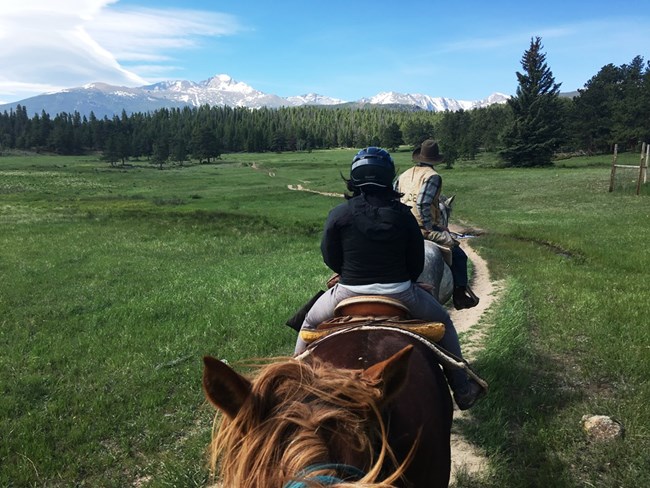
350,49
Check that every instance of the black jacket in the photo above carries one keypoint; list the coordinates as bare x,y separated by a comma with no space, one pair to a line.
370,239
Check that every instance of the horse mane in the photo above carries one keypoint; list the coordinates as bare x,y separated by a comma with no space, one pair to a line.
301,414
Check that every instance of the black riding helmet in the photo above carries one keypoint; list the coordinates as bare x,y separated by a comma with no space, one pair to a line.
372,166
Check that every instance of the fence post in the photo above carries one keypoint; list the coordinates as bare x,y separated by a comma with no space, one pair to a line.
647,159
613,173
641,167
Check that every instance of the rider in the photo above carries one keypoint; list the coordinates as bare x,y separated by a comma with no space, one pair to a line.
374,243
421,186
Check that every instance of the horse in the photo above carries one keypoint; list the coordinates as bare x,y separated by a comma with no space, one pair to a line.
436,272
362,407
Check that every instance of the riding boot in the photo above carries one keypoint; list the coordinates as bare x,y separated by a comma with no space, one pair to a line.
467,397
464,297
467,391
296,321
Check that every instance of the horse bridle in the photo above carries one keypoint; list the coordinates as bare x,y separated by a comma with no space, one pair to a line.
348,473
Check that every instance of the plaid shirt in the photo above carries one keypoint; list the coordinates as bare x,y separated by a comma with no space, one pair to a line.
425,201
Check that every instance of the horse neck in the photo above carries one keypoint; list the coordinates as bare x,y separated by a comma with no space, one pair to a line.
444,215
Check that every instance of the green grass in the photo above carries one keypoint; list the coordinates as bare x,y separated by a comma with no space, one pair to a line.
115,281
571,336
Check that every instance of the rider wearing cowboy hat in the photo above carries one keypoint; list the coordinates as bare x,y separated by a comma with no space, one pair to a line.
421,186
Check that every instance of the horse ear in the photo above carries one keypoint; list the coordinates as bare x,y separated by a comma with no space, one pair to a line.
224,388
390,374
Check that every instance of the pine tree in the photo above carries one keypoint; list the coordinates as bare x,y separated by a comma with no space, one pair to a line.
631,113
178,150
416,131
457,137
594,109
110,153
391,136
160,152
537,114
205,144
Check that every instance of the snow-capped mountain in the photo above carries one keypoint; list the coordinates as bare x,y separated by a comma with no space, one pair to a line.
434,104
314,99
220,90
491,100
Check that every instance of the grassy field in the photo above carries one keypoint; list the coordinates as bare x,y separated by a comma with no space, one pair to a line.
114,282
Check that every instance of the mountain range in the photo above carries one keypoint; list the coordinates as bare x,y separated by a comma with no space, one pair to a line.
220,90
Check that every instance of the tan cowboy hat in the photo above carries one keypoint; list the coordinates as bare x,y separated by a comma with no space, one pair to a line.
427,152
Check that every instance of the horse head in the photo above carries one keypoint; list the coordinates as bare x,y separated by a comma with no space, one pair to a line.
302,419
445,207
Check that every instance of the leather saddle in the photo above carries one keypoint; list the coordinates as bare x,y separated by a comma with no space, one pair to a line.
373,310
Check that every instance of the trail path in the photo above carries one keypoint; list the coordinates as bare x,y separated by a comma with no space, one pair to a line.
302,188
466,457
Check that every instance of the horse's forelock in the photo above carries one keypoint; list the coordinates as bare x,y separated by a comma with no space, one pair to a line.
299,413
300,381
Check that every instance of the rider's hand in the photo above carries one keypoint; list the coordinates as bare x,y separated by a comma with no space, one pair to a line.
333,280
443,238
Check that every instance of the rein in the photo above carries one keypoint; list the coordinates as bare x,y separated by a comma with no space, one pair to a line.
349,473
445,357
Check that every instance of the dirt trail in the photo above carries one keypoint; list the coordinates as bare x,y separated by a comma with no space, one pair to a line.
302,188
466,457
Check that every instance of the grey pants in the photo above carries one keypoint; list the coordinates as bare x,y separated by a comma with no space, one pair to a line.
422,306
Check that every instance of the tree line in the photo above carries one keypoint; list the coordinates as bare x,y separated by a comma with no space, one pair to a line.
535,124
208,131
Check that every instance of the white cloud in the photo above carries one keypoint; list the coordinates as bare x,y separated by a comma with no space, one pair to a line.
140,34
55,44
619,33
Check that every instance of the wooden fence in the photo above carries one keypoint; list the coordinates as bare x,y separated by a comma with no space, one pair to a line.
643,167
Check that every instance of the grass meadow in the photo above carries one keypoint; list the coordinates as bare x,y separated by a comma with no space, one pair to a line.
114,282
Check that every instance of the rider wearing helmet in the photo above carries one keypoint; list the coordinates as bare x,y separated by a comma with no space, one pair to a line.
374,243
372,166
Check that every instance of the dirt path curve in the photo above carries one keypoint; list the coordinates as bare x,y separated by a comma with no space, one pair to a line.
466,457
302,188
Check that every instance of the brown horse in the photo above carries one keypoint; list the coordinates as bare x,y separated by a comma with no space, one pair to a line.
361,408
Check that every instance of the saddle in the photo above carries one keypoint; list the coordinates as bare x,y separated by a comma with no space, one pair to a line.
381,312
373,310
